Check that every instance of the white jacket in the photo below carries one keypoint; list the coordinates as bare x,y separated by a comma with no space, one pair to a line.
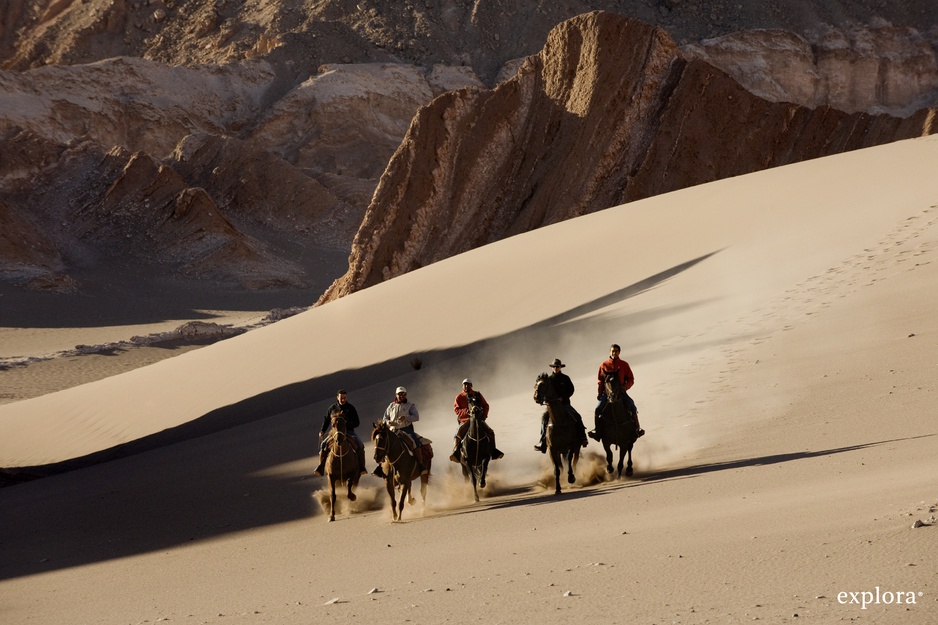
401,415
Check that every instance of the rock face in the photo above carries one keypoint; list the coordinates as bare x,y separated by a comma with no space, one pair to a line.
257,131
608,112
878,69
267,175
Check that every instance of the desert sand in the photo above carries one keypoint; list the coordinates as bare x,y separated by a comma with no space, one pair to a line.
782,332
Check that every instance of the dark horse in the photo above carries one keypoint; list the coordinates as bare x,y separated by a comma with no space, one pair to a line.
563,430
618,424
476,449
342,461
395,456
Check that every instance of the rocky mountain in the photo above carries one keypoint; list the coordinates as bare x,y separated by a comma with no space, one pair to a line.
610,111
242,143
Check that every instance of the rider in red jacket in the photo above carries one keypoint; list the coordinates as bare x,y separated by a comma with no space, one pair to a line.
461,408
614,364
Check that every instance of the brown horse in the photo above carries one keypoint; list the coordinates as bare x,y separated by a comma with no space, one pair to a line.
395,457
618,424
476,449
342,461
563,430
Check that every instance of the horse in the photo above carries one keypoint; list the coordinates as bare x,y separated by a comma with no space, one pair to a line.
618,424
563,430
400,467
476,449
342,461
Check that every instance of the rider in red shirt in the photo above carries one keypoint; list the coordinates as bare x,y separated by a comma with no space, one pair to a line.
614,364
461,408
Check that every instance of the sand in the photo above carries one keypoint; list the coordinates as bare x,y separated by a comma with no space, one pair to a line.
781,329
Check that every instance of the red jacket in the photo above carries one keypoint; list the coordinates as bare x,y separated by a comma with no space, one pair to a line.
461,406
626,379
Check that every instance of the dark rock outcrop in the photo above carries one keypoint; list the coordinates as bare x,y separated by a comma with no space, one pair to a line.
610,111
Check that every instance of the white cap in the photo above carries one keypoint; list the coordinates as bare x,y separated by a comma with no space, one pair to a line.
400,389
467,381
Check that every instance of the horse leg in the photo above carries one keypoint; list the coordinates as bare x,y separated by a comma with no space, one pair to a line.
475,490
389,482
485,469
571,478
628,470
405,496
332,507
351,495
608,449
558,462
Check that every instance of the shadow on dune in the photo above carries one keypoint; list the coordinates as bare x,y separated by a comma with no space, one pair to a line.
703,469
254,470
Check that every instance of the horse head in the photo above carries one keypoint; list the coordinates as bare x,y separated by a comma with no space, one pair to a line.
380,437
612,386
338,422
540,388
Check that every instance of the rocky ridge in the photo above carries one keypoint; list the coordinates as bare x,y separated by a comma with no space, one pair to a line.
609,112
241,143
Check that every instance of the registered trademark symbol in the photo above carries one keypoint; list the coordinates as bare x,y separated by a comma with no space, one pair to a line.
920,593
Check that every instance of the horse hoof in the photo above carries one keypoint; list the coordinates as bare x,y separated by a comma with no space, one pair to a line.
331,519
609,468
558,492
352,496
571,479
628,472
477,499
482,483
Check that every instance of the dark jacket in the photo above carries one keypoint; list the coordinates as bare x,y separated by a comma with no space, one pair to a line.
562,384
348,411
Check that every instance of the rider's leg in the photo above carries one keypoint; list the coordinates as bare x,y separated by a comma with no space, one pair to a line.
638,426
496,454
360,452
323,454
597,419
457,441
579,421
542,443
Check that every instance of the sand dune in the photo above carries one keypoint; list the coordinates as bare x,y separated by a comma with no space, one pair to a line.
782,333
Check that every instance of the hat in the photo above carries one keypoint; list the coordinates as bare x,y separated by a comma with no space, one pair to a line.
400,389
467,381
557,363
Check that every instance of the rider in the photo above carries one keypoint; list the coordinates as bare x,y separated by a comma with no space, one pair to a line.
614,364
345,409
461,408
400,415
564,388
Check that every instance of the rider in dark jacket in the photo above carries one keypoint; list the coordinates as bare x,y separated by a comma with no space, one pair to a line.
347,410
563,387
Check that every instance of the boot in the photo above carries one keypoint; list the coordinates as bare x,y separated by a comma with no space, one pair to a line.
456,452
496,454
421,466
541,446
321,469
593,434
361,461
379,472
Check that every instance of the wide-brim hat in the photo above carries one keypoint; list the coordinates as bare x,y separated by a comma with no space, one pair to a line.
557,363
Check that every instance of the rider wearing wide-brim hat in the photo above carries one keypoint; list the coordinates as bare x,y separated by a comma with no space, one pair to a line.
563,387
